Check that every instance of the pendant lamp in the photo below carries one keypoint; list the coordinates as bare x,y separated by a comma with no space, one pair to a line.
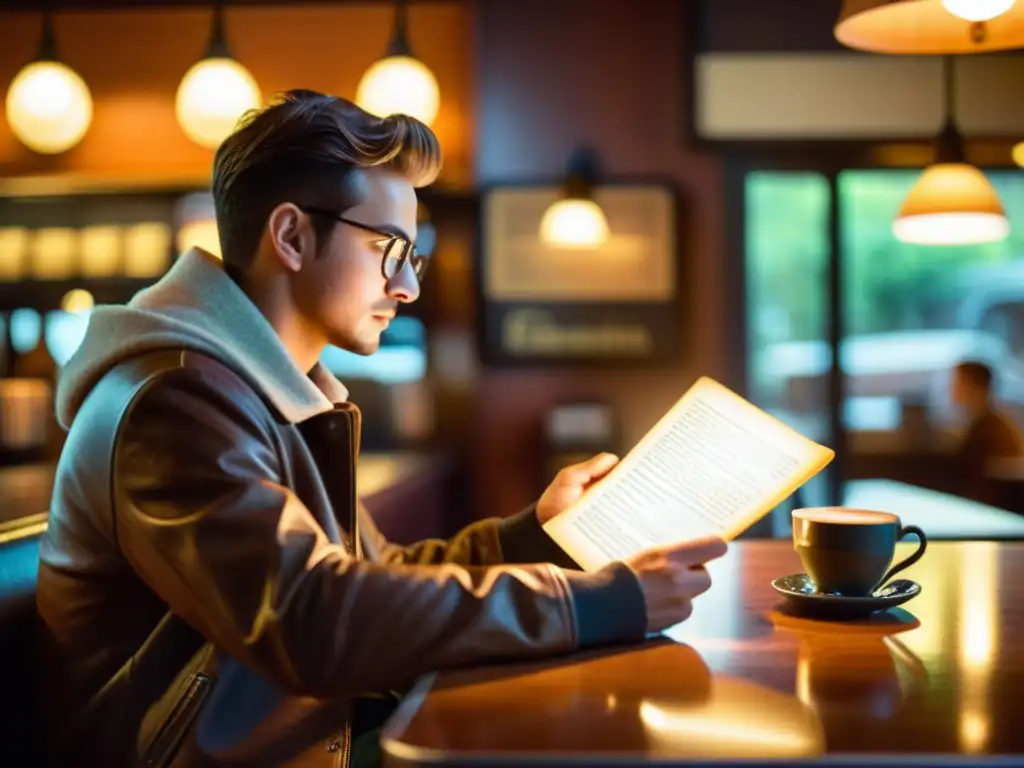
935,27
400,83
49,107
952,203
576,221
215,92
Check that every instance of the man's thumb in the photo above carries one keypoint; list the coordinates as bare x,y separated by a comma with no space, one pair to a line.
597,466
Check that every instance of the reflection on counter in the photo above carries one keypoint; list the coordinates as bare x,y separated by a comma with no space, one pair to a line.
855,670
737,719
978,641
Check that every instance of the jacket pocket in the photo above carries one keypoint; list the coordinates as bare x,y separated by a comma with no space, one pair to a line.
168,740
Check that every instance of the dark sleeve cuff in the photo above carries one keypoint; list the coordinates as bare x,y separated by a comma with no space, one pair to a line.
523,540
610,607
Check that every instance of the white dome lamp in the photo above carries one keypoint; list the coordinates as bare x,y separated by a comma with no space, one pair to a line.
400,83
575,221
215,92
49,107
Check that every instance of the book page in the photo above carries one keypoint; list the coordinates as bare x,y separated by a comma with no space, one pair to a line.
714,464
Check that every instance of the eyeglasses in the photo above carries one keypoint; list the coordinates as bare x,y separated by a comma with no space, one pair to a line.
398,249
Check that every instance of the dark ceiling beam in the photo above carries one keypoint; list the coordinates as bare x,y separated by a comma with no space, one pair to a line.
146,5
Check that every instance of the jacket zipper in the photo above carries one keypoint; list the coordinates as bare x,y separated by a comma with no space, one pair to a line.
343,752
342,748
354,424
165,746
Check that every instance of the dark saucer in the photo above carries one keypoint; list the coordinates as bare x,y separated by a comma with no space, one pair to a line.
807,601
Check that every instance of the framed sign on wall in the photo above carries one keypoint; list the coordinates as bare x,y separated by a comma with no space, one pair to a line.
613,305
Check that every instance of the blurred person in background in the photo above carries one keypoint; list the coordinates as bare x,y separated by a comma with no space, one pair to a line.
988,433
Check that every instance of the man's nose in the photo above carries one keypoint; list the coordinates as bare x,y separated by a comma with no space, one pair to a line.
405,286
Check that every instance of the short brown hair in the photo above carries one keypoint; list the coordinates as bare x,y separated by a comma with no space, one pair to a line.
307,148
976,373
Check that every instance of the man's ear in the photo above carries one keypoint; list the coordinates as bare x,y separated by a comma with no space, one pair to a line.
291,235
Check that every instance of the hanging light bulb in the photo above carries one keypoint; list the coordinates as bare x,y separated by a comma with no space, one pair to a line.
577,224
931,27
399,83
1017,153
576,221
977,10
215,92
49,107
952,203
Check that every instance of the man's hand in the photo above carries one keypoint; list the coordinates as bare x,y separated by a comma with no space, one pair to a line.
672,576
569,485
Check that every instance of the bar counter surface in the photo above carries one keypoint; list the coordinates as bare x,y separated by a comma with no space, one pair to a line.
939,681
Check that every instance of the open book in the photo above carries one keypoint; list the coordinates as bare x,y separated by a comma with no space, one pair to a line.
714,464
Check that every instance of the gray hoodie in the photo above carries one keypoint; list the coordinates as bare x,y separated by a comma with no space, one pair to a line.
197,307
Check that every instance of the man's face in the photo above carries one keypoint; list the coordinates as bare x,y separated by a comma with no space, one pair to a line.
963,392
343,291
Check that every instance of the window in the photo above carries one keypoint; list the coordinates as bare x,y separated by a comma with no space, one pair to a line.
913,312
787,262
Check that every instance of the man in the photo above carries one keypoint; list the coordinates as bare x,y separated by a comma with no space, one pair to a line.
989,434
218,597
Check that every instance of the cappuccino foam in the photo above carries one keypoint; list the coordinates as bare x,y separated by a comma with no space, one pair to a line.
842,516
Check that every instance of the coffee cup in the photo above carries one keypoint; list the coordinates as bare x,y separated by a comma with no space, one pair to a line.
849,551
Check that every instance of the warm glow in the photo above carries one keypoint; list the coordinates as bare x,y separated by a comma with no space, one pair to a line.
978,642
738,719
212,96
977,10
199,234
574,223
1018,154
930,27
53,253
147,247
951,204
49,107
400,85
979,629
14,245
974,731
77,301
196,221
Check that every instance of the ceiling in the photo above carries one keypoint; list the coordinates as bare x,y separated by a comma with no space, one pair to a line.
91,5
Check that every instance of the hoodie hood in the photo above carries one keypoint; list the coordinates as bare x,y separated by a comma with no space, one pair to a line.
197,307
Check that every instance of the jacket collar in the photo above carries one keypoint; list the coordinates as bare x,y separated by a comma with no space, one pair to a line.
197,289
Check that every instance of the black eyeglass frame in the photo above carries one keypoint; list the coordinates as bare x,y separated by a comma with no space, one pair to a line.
407,254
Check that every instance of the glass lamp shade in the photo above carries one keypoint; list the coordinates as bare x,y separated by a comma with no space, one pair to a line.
49,107
400,85
211,98
928,27
951,204
574,223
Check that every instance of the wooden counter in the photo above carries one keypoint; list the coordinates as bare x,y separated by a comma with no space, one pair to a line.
937,682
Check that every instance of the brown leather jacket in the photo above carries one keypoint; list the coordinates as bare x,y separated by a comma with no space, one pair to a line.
221,598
